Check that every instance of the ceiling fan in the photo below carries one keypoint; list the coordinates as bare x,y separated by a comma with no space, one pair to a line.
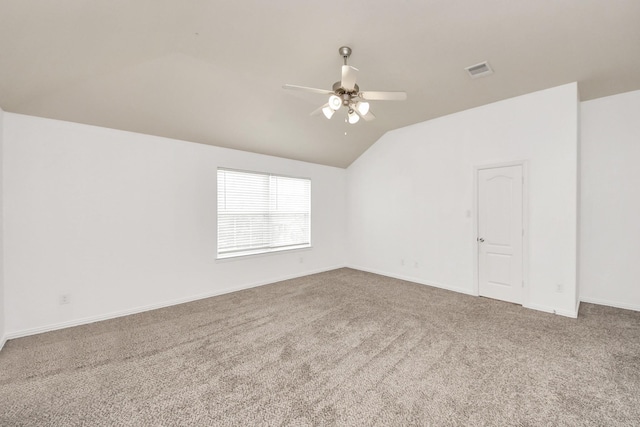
347,93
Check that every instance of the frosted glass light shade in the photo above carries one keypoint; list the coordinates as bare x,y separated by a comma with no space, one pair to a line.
328,112
362,107
353,117
335,102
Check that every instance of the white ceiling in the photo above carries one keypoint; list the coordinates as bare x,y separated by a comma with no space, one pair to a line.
212,71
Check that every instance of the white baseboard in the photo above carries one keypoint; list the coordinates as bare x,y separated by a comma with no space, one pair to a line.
567,313
113,315
414,280
616,304
3,341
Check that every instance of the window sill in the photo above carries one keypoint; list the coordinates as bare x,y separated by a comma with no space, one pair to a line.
256,254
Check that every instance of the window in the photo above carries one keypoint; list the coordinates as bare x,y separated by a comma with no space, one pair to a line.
260,213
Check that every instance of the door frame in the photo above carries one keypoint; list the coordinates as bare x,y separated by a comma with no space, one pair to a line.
525,225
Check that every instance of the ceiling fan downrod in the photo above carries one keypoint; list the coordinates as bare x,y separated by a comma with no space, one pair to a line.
345,52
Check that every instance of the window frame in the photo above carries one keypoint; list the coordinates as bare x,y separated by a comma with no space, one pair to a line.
237,254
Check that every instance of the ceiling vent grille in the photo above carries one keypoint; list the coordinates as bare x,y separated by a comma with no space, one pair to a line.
479,70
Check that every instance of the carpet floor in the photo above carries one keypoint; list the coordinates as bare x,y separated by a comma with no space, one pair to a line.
343,347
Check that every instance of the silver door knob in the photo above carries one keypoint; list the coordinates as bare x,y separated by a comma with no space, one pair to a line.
480,239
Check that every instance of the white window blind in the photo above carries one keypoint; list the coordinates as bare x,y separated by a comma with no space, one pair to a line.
260,212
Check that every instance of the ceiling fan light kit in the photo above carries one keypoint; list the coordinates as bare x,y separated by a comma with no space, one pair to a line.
347,93
335,103
353,117
328,111
362,107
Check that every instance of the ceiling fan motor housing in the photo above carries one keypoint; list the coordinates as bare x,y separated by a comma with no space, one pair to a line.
345,95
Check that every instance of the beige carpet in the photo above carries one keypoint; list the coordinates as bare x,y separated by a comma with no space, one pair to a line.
337,348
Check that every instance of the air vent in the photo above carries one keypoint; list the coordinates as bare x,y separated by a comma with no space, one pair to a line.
479,70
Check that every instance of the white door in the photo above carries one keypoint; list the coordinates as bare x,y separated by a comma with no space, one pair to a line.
500,233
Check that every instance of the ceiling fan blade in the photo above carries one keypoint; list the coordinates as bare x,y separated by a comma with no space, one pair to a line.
383,96
318,110
308,89
349,75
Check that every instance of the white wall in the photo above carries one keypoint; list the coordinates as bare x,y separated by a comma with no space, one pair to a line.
610,201
2,298
409,194
123,222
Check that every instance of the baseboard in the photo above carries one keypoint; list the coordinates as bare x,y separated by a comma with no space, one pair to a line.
599,301
113,315
414,280
3,341
566,313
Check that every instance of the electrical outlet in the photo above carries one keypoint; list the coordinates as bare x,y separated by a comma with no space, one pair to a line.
301,260
402,261
559,288
65,299
415,264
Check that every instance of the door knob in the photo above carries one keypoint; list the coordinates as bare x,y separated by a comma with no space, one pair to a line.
480,239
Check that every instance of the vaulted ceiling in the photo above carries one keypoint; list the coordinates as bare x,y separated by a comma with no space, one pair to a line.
211,71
